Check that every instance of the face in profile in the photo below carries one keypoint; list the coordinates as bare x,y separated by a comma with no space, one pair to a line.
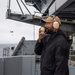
48,27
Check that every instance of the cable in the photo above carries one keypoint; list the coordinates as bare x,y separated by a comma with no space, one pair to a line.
26,7
20,7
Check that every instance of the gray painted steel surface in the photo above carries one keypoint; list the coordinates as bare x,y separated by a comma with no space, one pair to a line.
18,65
72,70
1,66
25,47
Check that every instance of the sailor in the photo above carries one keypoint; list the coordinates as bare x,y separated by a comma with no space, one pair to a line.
53,46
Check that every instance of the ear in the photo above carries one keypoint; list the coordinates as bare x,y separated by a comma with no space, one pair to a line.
56,25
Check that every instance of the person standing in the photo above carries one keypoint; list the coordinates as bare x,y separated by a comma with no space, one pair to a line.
53,46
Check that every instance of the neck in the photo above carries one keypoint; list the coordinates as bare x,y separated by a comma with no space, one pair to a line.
50,32
55,30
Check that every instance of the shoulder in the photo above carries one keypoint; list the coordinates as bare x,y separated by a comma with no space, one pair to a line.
61,38
62,41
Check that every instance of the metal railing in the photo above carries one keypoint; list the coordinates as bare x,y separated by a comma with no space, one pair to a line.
72,58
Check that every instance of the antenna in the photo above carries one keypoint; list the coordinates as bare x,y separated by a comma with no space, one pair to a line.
33,32
8,4
55,5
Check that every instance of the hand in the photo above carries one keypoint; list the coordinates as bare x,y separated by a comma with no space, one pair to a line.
41,34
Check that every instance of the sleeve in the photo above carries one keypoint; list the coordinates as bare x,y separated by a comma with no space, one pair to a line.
38,48
61,61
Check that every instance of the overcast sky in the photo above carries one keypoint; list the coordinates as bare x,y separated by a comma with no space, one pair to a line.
19,29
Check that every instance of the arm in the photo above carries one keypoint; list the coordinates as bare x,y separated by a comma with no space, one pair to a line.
61,60
39,43
38,48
